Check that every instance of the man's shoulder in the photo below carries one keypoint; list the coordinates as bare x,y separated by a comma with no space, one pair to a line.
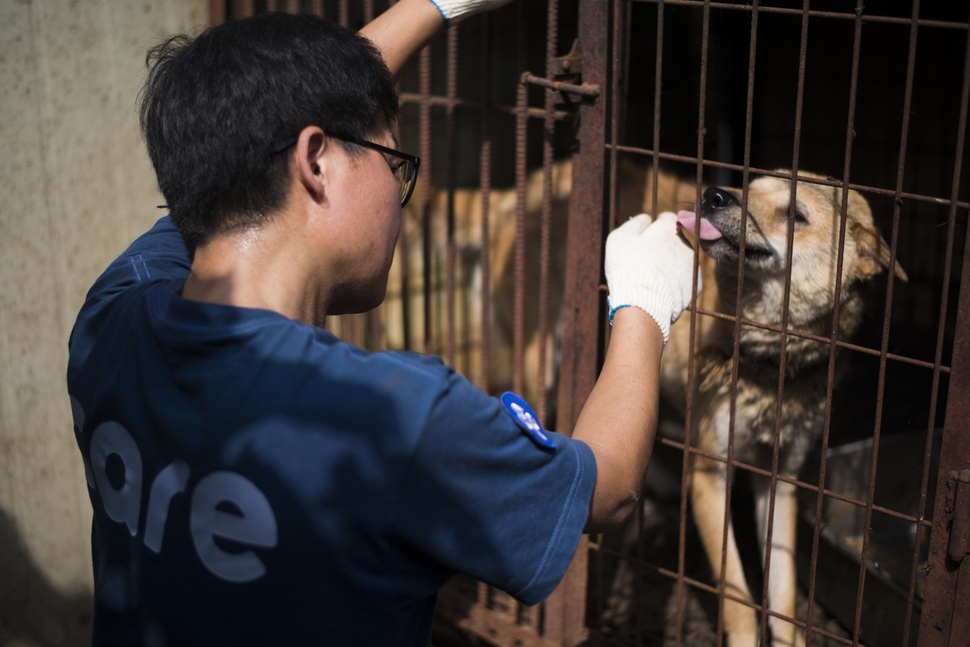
406,378
158,254
428,366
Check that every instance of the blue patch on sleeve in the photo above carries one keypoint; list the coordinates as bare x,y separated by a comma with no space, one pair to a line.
525,417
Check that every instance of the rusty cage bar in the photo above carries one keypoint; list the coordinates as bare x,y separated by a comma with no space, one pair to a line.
939,601
604,108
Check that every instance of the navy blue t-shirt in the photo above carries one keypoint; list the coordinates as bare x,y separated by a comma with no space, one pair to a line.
257,481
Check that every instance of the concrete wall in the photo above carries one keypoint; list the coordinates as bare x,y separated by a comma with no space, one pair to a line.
76,188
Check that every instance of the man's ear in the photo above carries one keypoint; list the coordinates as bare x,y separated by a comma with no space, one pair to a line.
310,148
873,252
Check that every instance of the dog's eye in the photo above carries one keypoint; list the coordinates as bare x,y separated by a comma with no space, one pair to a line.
800,217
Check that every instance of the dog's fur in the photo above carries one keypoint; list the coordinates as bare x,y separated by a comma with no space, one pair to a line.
814,263
635,195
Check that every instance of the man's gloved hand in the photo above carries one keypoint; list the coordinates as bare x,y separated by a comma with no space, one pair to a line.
455,10
648,265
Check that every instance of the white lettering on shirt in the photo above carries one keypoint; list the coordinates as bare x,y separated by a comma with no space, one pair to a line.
78,414
169,482
250,522
256,526
124,504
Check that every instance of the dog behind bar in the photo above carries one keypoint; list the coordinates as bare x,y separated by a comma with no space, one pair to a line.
814,262
635,190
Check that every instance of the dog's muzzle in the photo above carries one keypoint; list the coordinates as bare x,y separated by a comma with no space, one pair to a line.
723,210
717,199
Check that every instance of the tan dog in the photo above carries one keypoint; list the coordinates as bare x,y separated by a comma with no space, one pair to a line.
813,277
810,310
635,195
468,280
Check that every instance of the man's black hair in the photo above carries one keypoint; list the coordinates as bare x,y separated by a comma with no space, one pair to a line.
216,108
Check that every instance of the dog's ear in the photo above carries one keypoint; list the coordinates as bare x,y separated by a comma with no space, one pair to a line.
873,252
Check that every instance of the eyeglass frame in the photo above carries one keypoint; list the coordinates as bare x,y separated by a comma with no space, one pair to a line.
414,160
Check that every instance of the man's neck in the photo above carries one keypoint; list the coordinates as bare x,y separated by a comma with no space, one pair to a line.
260,267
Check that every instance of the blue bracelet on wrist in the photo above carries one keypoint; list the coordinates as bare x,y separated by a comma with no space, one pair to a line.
613,308
438,7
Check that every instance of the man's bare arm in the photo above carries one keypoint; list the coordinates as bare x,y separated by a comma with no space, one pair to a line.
649,270
401,31
619,419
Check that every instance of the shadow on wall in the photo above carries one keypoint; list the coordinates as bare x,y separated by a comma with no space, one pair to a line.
32,611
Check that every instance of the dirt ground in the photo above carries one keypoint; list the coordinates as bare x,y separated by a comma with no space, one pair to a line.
638,607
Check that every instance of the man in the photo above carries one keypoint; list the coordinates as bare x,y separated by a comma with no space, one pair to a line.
257,481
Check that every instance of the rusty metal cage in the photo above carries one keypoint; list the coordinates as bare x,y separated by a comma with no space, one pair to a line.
529,155
865,584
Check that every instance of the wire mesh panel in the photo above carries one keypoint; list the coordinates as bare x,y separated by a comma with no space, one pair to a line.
492,250
813,398
791,493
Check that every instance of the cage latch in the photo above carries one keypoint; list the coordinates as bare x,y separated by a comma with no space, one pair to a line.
584,90
565,74
958,503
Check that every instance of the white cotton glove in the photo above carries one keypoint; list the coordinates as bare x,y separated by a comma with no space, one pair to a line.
455,10
651,267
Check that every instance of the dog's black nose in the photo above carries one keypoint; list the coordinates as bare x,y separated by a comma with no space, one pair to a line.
716,198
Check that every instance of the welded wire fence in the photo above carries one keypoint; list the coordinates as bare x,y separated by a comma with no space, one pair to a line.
770,83
533,149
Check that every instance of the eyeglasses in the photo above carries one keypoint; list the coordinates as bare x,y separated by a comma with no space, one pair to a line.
406,173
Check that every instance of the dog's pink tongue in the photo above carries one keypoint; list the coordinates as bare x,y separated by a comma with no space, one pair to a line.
688,220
